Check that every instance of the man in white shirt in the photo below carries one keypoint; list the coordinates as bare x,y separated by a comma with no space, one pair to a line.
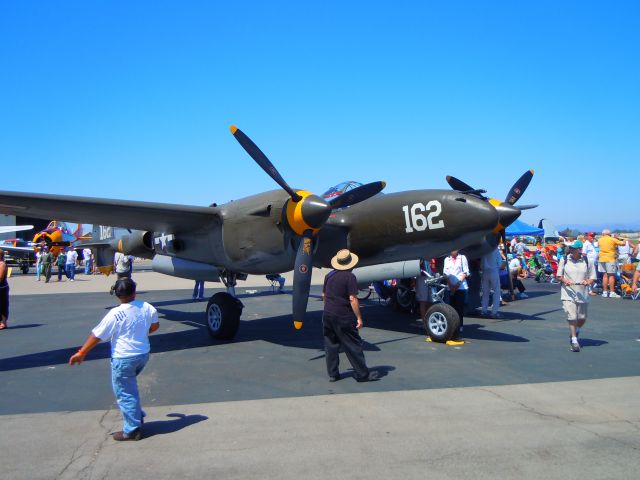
515,269
589,252
513,243
70,266
575,275
490,264
624,252
456,271
520,248
127,327
122,263
87,256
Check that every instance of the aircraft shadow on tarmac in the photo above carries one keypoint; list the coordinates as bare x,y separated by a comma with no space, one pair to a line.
277,330
381,317
477,331
51,357
508,316
178,422
184,301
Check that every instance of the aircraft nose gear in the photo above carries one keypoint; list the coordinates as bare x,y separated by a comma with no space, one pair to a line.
441,322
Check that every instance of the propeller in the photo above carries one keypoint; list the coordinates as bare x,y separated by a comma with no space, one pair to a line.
306,214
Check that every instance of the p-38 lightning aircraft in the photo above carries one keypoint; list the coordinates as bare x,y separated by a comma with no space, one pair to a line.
285,229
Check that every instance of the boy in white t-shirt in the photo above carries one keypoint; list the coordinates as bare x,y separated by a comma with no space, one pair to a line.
127,327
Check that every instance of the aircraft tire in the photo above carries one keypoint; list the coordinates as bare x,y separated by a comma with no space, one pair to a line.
223,316
404,299
364,293
441,321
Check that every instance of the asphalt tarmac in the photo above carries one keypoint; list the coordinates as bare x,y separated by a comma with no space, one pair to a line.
512,385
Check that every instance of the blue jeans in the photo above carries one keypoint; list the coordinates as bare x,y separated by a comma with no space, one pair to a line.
70,270
124,372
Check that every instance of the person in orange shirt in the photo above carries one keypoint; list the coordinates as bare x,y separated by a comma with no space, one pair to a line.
607,263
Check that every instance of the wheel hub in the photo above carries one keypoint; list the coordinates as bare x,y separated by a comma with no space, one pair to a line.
214,317
437,323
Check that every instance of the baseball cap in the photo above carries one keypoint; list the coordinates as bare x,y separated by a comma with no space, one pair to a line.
574,244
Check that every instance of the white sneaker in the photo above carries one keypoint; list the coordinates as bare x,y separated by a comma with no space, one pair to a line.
605,294
614,295
523,295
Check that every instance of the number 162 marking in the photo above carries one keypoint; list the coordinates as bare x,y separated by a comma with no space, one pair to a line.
416,221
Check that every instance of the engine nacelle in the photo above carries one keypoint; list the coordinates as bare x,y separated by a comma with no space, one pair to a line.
385,271
138,244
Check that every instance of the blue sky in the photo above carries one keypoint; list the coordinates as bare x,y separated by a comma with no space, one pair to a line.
133,100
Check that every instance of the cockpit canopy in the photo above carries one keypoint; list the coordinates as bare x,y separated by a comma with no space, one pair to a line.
340,189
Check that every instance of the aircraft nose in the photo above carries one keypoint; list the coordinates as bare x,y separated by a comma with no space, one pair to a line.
507,214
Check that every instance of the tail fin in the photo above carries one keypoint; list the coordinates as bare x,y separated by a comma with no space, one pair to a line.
78,231
102,245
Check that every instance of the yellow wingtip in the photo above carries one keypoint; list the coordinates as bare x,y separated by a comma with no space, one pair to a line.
532,172
298,325
233,129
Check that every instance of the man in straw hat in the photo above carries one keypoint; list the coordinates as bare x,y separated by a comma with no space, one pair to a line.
340,294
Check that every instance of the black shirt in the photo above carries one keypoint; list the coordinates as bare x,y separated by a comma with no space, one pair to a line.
338,285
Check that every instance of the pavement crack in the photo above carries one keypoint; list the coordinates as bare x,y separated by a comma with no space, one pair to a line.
572,423
80,453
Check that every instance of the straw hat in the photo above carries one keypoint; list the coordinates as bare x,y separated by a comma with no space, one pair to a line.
344,260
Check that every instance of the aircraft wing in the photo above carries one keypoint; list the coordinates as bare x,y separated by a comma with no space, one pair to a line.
155,217
18,252
15,228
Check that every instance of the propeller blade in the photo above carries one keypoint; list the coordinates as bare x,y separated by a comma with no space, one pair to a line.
302,278
357,195
262,160
462,187
519,187
527,207
457,184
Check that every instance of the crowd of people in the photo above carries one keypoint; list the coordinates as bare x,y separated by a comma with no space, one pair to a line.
615,260
583,266
66,261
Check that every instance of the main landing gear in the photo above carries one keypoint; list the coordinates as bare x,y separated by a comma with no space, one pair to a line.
224,310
